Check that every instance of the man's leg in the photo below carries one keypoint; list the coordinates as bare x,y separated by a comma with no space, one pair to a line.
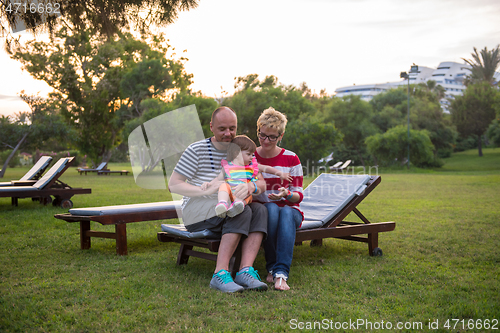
258,229
228,244
248,277
249,248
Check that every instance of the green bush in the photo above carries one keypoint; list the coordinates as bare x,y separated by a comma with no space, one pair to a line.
392,147
119,154
466,143
493,133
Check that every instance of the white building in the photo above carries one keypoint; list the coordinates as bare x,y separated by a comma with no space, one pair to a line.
450,75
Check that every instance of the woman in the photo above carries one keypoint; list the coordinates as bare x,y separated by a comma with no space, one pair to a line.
281,198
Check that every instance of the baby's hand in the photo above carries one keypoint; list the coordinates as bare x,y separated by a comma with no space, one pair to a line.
204,186
285,176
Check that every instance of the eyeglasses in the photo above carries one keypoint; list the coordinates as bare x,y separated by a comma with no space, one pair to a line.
271,138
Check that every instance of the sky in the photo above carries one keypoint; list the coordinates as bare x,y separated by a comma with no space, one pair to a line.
326,43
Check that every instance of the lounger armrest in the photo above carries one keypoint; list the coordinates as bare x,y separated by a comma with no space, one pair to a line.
23,182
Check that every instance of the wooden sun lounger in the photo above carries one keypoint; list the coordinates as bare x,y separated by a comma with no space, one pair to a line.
47,186
118,216
100,167
32,175
335,227
337,167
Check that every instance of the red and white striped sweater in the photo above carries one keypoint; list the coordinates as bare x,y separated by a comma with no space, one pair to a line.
286,161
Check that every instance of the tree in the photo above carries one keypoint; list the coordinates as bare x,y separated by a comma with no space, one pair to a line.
484,65
310,138
106,17
392,146
33,129
353,118
87,73
390,108
254,96
473,112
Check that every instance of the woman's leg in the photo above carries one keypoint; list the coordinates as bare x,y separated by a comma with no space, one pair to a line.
288,222
273,212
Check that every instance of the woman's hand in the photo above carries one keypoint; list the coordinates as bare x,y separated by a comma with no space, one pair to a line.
283,192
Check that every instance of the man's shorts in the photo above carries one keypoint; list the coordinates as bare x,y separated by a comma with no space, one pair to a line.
252,219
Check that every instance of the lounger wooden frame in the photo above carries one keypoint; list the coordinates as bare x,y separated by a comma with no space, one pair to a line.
335,228
118,220
108,172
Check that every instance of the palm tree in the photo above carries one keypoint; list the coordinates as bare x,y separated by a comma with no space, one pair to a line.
484,65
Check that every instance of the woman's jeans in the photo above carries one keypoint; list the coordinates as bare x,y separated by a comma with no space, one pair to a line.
278,246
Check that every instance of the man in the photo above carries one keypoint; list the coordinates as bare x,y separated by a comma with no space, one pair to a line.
201,162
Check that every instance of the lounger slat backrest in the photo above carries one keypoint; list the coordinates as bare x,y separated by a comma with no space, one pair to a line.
42,163
53,172
327,195
101,166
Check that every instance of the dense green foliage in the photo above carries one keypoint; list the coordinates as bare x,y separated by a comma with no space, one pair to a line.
493,132
101,83
392,147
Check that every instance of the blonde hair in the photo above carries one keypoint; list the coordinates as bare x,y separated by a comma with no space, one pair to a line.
272,119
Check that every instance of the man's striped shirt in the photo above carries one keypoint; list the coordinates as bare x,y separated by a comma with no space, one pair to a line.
200,163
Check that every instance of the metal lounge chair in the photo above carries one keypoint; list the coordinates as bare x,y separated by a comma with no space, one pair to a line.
32,175
101,167
47,186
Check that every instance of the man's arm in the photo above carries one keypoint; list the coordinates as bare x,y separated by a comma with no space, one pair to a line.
178,185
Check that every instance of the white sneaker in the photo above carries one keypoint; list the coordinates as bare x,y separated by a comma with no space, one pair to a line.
236,208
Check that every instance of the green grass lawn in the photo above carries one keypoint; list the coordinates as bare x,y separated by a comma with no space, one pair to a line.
440,263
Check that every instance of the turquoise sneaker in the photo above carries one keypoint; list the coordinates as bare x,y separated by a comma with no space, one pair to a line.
250,279
223,281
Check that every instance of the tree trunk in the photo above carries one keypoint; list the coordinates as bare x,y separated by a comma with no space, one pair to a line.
360,157
6,164
479,146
